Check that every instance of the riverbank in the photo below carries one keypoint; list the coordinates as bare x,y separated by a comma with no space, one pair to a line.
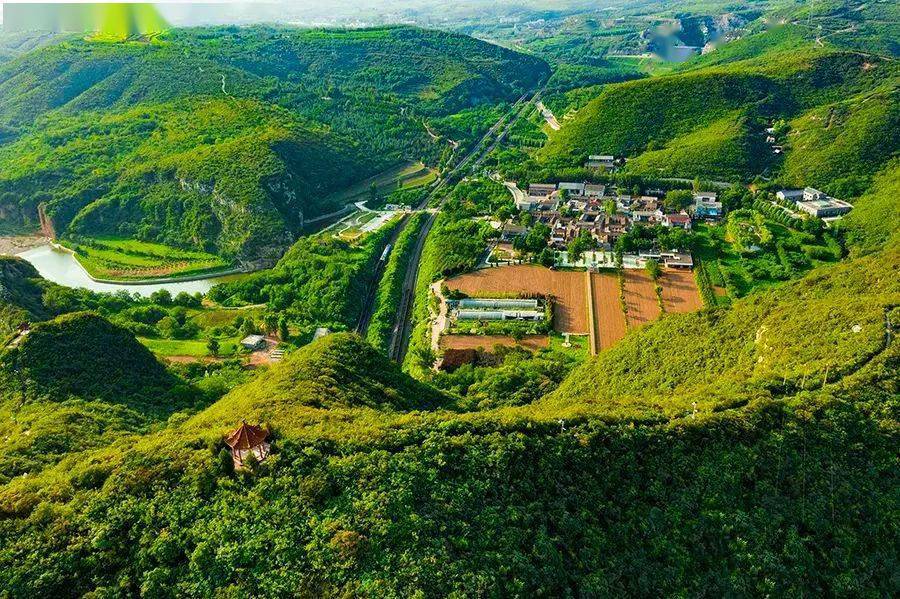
61,267
11,245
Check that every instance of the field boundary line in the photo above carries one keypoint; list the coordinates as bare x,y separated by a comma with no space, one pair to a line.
592,317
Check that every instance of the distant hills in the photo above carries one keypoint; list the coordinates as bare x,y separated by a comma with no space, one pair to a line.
229,139
708,119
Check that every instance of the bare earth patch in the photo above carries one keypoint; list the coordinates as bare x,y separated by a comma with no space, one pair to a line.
680,292
608,310
488,342
640,298
11,245
567,289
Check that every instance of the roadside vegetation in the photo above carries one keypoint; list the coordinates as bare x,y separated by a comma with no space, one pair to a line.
390,289
320,282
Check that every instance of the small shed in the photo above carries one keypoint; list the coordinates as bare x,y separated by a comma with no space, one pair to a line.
247,439
254,342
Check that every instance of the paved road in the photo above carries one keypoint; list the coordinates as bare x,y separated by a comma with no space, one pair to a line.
498,132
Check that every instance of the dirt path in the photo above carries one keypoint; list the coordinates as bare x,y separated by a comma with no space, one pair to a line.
548,116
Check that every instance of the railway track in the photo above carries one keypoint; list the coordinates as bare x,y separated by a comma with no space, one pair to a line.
403,323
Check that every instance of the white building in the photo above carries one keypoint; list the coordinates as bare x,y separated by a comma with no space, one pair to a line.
789,195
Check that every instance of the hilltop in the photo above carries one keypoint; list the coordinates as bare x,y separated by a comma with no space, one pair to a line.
224,139
75,383
337,374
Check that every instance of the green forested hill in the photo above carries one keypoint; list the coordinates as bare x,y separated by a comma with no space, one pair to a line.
837,147
20,295
227,139
748,450
707,119
75,383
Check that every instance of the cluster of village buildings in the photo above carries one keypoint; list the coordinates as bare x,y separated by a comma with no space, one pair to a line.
572,209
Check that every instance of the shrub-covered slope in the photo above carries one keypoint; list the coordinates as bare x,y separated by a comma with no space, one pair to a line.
231,176
228,139
84,355
708,118
337,373
839,146
20,295
75,383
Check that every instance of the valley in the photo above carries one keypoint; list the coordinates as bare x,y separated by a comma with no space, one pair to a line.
545,299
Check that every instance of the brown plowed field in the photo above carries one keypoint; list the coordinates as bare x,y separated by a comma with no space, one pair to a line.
568,289
640,297
607,310
680,292
488,342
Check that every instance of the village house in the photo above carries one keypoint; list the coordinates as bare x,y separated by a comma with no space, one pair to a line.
601,161
594,190
707,206
512,231
789,195
528,203
541,189
682,221
825,207
573,189
253,342
815,203
677,260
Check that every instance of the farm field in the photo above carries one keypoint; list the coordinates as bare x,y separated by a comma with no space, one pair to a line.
610,321
567,288
129,259
680,292
488,342
640,298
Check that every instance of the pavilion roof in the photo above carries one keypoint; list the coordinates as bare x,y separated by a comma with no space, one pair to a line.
246,436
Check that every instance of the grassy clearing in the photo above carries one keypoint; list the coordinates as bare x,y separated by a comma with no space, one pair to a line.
188,347
408,175
579,345
129,259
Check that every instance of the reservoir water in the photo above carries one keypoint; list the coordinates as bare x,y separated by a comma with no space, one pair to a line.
62,268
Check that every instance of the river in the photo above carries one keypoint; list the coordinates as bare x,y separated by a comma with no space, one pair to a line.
61,267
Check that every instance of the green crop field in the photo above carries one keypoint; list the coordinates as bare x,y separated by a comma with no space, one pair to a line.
129,259
188,347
